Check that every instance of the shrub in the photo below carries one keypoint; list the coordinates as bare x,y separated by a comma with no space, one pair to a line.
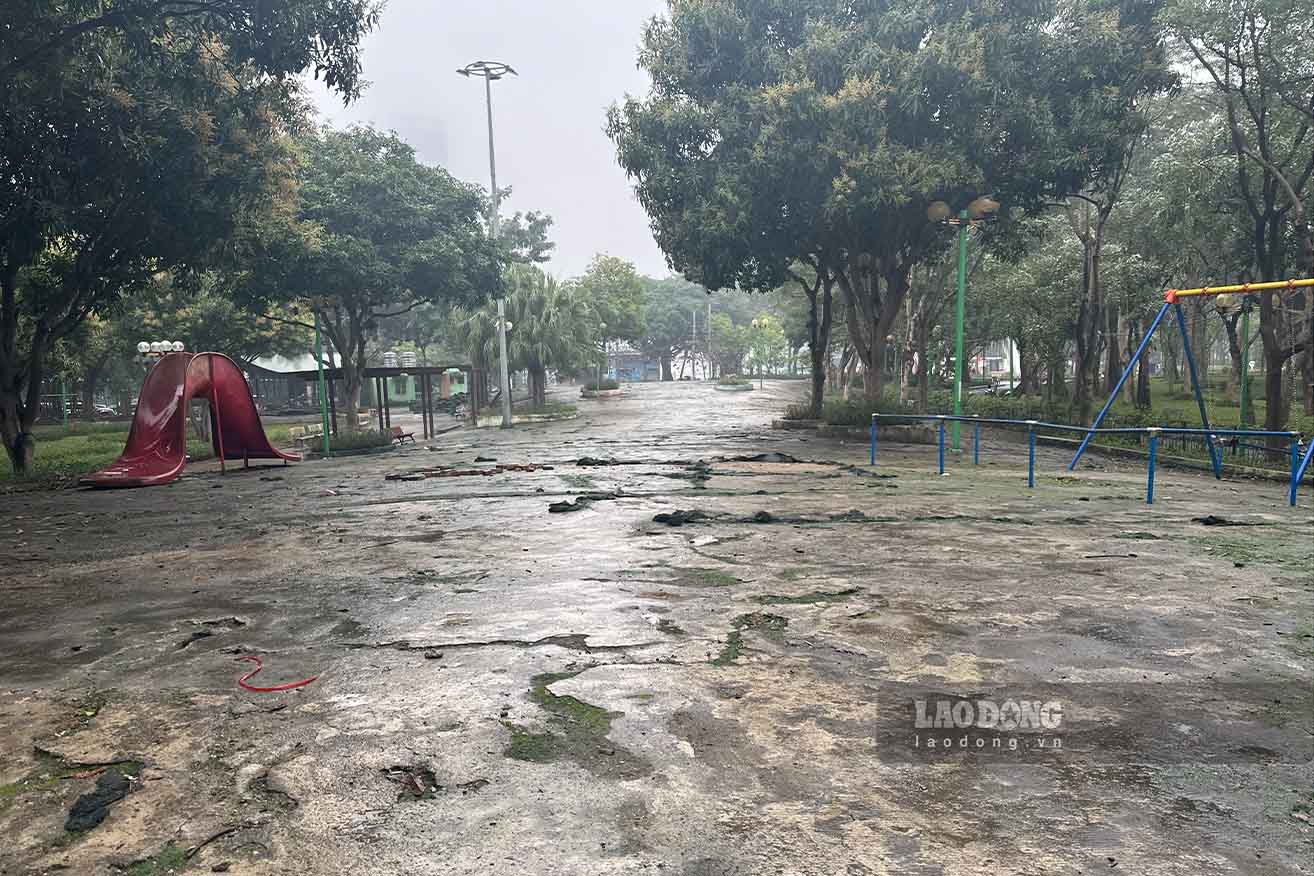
360,440
602,385
733,380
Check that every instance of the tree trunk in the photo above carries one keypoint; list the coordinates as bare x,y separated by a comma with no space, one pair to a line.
665,360
20,389
1113,349
819,324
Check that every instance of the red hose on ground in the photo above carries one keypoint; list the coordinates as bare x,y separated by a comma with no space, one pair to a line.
291,685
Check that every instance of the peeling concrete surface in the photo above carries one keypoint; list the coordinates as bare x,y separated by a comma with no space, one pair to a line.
506,690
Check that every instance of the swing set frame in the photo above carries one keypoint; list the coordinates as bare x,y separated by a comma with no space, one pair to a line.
1172,302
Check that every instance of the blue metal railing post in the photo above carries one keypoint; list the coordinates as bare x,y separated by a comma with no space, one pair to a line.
1031,454
976,442
1131,366
1149,477
942,445
1199,397
873,438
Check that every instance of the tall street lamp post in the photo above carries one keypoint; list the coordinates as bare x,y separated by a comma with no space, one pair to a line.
975,212
491,71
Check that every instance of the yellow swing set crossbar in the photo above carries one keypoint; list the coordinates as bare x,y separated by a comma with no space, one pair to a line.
1173,294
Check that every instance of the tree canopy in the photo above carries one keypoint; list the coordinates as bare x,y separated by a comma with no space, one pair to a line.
819,132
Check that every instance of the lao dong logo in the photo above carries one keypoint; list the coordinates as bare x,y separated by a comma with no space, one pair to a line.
1009,716
945,725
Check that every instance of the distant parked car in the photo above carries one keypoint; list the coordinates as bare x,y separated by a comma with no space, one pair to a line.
106,411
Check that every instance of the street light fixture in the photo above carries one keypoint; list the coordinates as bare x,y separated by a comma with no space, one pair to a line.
491,71
979,210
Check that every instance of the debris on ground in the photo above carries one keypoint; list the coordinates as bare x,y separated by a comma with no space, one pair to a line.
761,457
445,472
592,462
1214,520
90,809
567,507
681,517
417,782
291,685
485,459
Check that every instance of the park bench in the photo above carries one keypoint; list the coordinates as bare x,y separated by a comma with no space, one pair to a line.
303,435
402,437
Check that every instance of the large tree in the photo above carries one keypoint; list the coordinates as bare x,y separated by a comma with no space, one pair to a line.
378,235
669,315
278,39
125,152
1256,55
820,133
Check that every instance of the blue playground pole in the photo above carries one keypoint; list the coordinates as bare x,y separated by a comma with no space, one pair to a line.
1104,412
1299,473
873,439
1199,398
942,445
1031,454
976,443
1149,478
1295,464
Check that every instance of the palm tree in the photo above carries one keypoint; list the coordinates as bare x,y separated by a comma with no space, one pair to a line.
552,328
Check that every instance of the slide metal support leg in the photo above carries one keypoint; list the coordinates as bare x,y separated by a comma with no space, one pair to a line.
1127,372
976,444
1199,397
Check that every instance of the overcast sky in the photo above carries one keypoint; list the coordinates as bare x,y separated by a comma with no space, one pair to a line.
575,58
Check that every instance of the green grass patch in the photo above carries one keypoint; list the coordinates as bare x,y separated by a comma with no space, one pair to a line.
699,577
771,625
1286,554
170,859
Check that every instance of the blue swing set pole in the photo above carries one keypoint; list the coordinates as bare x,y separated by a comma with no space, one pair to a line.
1199,398
1131,366
1299,473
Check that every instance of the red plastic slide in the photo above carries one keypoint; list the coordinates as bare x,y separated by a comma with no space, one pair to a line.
157,444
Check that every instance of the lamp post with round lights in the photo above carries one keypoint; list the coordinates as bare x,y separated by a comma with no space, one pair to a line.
150,351
976,212
490,72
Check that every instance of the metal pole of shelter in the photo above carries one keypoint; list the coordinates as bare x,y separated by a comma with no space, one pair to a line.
323,388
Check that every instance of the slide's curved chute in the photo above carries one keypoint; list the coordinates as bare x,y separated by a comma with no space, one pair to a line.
157,442
234,421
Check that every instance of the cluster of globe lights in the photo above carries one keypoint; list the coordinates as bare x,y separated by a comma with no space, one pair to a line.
159,348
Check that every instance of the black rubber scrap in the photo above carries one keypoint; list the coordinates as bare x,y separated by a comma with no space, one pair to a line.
1212,520
681,517
91,809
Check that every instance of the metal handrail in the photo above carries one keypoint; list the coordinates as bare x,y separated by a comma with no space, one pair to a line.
1152,433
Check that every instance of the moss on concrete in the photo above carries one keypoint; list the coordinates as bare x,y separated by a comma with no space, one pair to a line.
170,859
813,598
770,625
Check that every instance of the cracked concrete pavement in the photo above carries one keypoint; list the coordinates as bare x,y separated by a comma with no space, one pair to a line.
500,689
